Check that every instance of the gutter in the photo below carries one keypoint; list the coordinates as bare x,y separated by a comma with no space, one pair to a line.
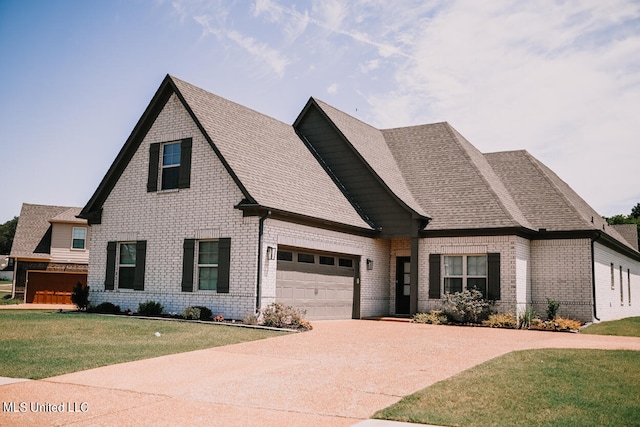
593,274
259,278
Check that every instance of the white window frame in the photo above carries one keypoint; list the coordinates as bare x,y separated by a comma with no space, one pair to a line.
84,239
198,265
164,167
120,265
464,276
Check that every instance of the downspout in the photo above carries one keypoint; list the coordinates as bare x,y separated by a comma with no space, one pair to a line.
259,279
593,275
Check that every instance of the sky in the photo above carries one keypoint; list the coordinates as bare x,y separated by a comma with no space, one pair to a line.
560,79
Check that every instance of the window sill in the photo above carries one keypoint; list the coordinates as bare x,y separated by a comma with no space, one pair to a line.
169,191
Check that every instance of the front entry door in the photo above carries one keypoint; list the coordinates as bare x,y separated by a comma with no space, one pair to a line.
403,285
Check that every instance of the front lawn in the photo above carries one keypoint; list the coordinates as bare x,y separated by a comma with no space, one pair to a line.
552,387
37,344
629,327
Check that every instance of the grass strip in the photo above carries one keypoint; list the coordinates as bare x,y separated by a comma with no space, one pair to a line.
37,344
629,327
553,387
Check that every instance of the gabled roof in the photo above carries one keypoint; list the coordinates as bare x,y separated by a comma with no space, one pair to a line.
629,232
371,146
33,232
452,180
548,202
70,216
264,156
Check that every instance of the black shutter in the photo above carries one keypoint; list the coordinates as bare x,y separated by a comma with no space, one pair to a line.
184,178
141,255
188,253
493,276
224,265
110,275
434,276
154,162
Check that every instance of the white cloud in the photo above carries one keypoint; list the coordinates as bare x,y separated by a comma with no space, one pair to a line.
333,89
370,65
261,51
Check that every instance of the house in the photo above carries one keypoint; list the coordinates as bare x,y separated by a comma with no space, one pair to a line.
211,203
6,268
50,252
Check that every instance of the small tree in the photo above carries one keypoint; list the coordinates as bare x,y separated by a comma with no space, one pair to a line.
467,306
80,296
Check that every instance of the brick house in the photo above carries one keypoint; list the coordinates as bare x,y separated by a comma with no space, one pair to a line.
211,203
50,253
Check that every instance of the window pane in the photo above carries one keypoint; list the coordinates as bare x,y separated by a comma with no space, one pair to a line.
327,260
285,256
406,290
207,278
171,154
125,277
307,258
452,285
479,284
477,265
79,233
78,244
345,262
170,177
128,253
208,252
453,266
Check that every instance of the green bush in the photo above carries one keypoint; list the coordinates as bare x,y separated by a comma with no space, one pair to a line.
501,320
205,313
105,308
150,308
435,317
276,315
467,306
527,317
80,296
191,313
552,309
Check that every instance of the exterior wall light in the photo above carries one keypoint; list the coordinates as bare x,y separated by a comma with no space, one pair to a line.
271,253
369,264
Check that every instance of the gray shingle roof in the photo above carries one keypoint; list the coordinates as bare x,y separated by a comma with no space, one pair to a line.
629,232
269,159
371,145
33,238
547,201
451,179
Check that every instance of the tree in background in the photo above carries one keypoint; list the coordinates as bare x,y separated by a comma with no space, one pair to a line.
633,218
7,231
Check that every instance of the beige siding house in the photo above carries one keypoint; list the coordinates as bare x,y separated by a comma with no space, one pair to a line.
234,210
51,253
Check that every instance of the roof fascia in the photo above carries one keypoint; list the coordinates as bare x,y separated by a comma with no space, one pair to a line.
312,103
251,209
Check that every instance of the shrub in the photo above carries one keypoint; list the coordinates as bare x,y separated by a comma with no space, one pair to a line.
552,309
566,324
105,308
276,315
191,313
150,308
250,319
465,307
501,320
526,318
218,318
205,313
435,317
80,296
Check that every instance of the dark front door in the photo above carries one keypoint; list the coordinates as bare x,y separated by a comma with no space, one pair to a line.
403,285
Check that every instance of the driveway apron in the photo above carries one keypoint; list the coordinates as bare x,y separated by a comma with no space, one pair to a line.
336,375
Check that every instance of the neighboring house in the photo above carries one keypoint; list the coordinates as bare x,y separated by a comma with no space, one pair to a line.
6,268
211,203
51,253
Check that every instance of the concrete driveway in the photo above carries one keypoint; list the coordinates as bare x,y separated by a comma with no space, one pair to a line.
336,375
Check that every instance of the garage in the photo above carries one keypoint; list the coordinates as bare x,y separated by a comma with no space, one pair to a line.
324,284
52,288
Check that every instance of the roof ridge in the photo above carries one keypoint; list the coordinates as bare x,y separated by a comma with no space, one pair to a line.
488,184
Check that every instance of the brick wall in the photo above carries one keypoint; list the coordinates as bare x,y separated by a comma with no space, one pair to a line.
165,219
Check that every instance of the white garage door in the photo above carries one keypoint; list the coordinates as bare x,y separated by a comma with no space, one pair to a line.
320,283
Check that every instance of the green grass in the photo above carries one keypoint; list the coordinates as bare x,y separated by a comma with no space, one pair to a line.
553,387
629,327
37,344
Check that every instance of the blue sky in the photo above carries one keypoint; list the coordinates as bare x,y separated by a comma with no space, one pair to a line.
559,79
